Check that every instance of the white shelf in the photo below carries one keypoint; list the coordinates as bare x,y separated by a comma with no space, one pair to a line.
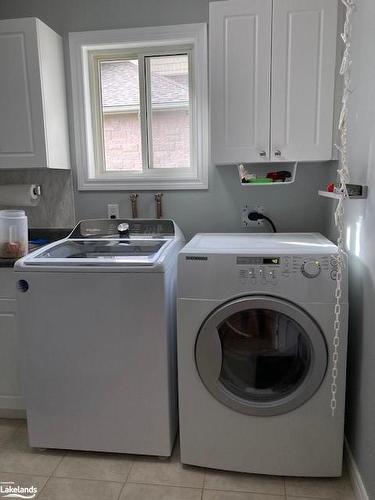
335,196
262,169
327,194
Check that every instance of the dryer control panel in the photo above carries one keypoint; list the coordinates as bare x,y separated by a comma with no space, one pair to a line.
268,270
301,267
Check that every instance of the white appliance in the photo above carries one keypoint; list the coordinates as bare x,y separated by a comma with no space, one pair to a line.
97,323
255,333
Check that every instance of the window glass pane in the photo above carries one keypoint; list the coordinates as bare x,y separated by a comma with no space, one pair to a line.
121,115
170,114
266,354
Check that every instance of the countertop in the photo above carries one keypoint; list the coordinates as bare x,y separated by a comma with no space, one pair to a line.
39,237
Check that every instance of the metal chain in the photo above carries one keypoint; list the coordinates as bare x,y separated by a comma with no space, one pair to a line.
336,337
343,172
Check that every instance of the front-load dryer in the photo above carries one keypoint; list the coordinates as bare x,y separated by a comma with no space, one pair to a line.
255,345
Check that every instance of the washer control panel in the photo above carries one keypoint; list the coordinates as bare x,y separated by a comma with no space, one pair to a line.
269,270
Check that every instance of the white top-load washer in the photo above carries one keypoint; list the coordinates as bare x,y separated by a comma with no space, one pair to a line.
96,315
255,345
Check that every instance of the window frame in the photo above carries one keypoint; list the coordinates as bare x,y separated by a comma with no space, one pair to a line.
86,51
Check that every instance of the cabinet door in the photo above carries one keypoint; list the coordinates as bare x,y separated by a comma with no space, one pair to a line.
10,366
303,76
22,142
240,60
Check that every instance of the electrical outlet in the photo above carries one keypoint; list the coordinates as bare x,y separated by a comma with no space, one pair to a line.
245,215
113,211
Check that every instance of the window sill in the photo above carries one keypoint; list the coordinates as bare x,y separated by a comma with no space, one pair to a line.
141,185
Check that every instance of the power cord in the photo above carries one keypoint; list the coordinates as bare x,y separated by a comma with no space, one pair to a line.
255,216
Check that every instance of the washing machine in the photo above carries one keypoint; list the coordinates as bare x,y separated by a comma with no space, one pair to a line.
96,315
255,346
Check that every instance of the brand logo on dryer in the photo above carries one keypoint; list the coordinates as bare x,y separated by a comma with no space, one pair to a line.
196,257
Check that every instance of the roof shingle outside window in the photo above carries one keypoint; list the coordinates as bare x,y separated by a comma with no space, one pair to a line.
119,80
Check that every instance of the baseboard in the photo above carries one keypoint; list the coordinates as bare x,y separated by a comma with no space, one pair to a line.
12,413
359,489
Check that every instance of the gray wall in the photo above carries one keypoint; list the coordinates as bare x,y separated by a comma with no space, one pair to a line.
294,208
360,221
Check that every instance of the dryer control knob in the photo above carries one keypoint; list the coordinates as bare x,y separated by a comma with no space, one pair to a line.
311,268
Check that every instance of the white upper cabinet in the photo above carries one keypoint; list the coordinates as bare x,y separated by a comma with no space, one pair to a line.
272,79
240,59
33,113
303,78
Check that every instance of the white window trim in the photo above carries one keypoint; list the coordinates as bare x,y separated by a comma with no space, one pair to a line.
194,35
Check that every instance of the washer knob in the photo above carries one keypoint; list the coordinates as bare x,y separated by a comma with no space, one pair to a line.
311,268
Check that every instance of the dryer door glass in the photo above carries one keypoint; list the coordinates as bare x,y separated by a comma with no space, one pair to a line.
266,354
261,355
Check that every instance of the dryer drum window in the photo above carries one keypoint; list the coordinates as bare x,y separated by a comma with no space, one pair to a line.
266,354
261,355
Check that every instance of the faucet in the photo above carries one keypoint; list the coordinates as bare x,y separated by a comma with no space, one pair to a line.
159,207
133,200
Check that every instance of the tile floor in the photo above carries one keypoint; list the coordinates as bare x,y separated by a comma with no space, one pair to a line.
61,475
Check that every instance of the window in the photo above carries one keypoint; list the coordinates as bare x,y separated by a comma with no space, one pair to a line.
140,108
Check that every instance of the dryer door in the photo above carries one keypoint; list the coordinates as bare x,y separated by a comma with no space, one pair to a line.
261,355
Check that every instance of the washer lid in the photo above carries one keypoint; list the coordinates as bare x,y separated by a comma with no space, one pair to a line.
108,242
100,252
109,228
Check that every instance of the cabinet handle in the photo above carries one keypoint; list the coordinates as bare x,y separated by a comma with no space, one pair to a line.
278,153
263,154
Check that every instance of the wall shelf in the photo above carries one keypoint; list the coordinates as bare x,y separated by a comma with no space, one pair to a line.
335,196
262,169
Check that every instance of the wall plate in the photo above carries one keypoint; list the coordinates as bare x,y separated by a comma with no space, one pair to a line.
246,209
113,211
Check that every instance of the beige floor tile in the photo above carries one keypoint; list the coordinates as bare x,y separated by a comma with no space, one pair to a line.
166,472
19,439
235,481
292,497
101,466
8,427
156,492
16,456
26,481
232,495
79,489
327,488
29,461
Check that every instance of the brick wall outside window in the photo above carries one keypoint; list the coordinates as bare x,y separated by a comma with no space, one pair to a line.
122,139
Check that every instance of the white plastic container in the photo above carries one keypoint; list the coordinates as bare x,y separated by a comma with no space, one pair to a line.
13,234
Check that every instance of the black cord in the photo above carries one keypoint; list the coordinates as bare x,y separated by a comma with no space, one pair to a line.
270,223
254,216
